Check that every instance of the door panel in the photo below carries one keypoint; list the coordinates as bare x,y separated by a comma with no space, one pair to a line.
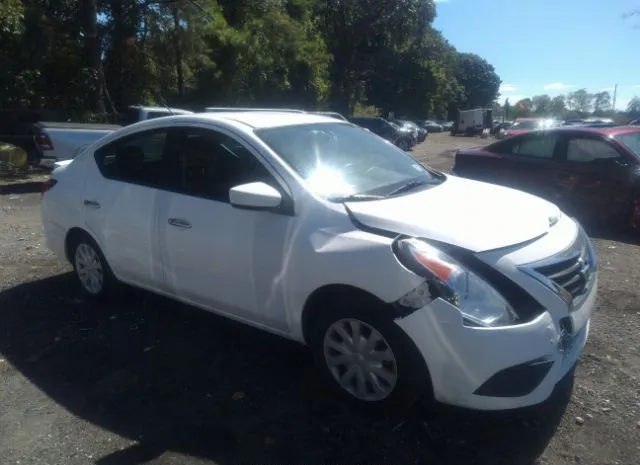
528,163
120,203
208,261
213,252
593,177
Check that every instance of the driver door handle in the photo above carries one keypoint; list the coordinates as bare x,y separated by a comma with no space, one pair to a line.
91,203
179,223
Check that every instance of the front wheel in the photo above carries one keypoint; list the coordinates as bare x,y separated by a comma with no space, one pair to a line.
624,219
367,359
406,144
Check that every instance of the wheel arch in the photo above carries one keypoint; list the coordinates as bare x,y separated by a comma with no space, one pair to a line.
74,234
333,293
344,292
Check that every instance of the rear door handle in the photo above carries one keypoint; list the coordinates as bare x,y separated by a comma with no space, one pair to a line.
91,203
179,223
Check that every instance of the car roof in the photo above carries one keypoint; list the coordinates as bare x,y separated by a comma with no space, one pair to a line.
164,109
605,131
261,119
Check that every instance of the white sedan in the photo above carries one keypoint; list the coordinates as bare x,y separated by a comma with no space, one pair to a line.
403,281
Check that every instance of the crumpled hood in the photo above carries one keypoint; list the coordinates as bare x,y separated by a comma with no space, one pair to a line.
474,215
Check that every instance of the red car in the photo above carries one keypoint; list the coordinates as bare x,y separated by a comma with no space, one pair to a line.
591,173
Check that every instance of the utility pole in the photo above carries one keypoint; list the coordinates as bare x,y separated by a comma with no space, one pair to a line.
615,94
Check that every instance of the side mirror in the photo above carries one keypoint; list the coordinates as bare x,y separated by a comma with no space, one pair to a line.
255,196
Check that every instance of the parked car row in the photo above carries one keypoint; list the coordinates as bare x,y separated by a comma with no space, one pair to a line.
405,282
62,141
401,136
504,129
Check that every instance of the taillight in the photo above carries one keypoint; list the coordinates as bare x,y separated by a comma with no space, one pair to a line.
48,184
43,141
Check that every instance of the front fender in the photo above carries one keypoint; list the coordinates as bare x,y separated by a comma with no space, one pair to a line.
351,257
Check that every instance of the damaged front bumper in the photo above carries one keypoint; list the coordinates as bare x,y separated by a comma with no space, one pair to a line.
496,368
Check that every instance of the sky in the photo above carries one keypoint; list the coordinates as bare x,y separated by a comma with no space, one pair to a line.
549,46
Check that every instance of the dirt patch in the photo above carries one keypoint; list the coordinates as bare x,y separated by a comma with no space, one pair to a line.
143,379
439,149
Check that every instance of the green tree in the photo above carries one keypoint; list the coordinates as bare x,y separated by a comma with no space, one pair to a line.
580,101
541,105
558,106
11,16
80,56
633,108
601,103
357,32
480,81
523,108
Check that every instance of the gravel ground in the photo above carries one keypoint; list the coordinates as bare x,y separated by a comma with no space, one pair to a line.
144,380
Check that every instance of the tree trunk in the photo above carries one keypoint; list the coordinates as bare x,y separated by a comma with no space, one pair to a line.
178,49
92,54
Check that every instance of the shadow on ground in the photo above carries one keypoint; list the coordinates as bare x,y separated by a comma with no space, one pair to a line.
627,237
175,378
18,188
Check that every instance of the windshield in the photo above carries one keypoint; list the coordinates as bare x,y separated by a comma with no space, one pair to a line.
630,140
526,125
343,162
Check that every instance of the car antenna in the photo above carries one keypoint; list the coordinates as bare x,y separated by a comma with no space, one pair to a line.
163,102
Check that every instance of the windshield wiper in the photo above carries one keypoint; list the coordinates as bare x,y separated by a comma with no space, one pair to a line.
355,197
409,186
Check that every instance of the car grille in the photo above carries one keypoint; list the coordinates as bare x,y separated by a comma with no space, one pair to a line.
571,272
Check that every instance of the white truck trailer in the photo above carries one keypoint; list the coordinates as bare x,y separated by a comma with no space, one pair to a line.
473,122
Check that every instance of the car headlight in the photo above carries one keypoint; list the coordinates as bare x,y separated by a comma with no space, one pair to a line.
446,278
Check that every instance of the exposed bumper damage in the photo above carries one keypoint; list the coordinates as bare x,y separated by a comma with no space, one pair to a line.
496,368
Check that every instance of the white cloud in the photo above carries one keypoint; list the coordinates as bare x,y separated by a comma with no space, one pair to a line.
507,88
557,86
607,89
512,98
621,104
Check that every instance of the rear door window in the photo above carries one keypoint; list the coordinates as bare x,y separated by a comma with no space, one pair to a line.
586,150
139,159
536,146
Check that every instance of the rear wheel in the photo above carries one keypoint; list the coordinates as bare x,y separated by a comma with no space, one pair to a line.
91,269
366,358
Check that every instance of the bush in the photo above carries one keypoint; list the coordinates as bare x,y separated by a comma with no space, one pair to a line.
366,110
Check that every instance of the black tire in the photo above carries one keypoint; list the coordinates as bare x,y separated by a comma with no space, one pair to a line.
621,221
412,381
109,284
